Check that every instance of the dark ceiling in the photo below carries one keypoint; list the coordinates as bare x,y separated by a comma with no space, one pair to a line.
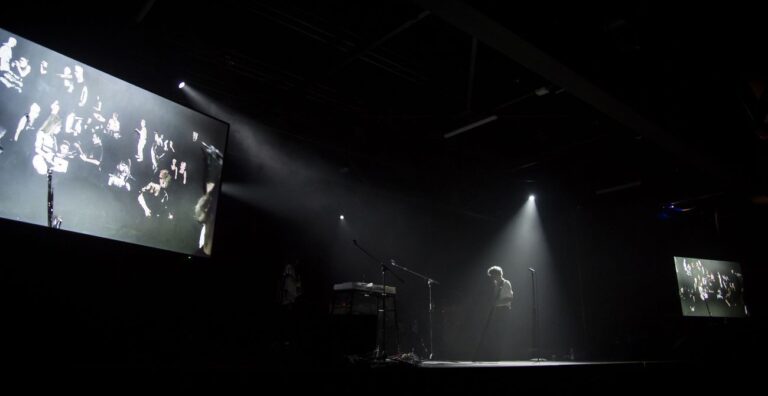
374,86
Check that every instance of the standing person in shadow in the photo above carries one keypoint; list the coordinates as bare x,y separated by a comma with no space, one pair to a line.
494,339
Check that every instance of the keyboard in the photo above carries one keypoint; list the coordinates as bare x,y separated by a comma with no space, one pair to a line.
366,287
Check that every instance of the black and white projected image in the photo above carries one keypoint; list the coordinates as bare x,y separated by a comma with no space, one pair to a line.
710,287
124,163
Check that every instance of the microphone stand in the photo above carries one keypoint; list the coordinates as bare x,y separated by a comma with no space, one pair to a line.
535,338
383,267
480,343
53,221
430,282
50,197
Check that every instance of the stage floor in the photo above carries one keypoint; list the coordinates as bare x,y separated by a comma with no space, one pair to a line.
515,363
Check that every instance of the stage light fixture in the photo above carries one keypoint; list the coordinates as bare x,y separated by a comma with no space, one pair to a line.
471,126
182,84
341,217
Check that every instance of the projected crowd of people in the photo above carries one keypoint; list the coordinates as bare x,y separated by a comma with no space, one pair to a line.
710,288
59,115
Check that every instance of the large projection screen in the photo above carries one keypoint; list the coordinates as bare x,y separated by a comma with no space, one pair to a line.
86,152
710,288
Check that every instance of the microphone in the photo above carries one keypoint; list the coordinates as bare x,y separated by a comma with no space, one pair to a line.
531,269
210,149
354,241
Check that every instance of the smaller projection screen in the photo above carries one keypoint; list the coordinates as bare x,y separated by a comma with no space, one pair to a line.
86,152
710,288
